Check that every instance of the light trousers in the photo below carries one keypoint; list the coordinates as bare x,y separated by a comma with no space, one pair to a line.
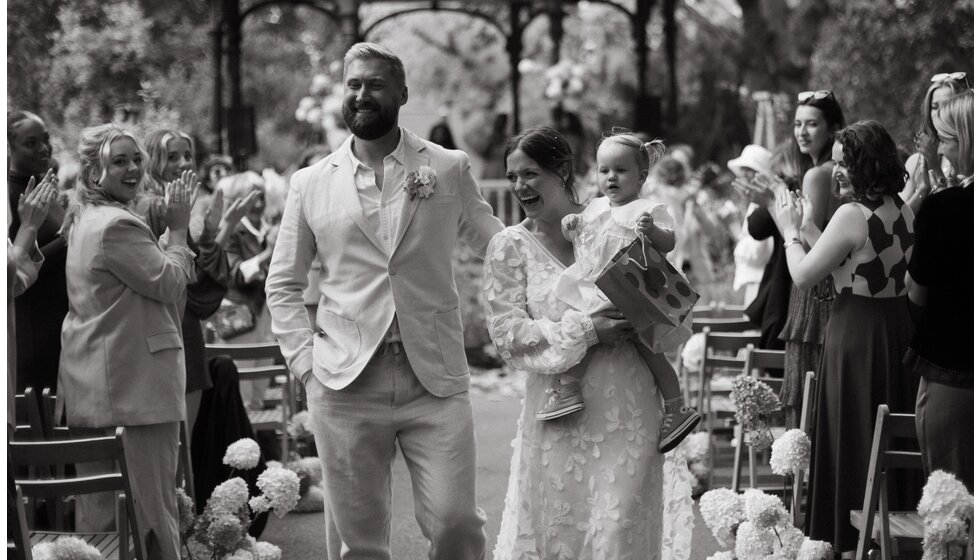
356,430
151,459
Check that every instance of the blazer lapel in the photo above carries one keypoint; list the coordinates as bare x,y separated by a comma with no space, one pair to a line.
343,182
415,157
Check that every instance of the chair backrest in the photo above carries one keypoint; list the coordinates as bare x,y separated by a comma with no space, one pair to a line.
52,411
764,360
721,348
52,454
724,325
27,415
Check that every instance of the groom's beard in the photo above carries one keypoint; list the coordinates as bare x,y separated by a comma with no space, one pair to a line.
369,126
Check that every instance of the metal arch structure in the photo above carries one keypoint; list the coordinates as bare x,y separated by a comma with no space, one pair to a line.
228,15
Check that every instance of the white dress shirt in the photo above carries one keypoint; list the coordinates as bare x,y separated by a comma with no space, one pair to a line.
382,204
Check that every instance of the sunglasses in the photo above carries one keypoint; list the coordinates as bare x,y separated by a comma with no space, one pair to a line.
955,77
805,96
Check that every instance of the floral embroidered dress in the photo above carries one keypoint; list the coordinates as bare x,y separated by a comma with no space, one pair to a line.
589,486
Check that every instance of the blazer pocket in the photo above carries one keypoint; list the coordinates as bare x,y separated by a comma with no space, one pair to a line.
164,341
338,336
449,332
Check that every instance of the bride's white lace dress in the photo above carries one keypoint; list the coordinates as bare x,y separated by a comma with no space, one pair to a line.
592,485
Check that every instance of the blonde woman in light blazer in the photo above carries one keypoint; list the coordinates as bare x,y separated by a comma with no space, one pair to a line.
122,358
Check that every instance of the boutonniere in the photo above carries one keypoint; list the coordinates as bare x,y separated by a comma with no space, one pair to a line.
421,183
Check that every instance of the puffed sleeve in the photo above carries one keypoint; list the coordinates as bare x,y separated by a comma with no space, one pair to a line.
132,254
533,345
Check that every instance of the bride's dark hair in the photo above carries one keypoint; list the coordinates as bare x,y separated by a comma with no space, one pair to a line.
549,149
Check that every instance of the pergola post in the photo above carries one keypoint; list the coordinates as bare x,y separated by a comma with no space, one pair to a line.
642,51
670,46
218,108
515,48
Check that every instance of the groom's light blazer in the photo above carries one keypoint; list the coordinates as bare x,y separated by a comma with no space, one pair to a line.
360,287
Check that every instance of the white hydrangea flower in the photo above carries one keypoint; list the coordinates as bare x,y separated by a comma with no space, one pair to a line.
299,424
815,550
225,531
752,541
281,488
944,495
268,551
229,496
242,455
66,548
693,352
946,536
764,510
722,511
790,453
723,555
694,448
789,543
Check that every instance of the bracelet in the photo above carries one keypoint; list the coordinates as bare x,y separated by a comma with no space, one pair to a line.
792,242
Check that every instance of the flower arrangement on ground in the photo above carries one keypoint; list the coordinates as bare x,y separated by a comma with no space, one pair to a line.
694,450
65,548
947,509
220,532
754,401
756,526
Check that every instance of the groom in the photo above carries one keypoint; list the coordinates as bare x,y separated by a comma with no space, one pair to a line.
384,362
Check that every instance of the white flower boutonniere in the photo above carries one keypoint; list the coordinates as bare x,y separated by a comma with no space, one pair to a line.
421,183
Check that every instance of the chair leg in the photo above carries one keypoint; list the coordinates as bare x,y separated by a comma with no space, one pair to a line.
737,467
885,534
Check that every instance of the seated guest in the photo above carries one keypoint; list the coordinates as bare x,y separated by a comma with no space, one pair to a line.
941,283
122,359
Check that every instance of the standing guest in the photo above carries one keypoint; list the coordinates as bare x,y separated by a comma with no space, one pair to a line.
928,170
24,261
818,117
771,305
941,283
41,308
750,254
212,170
866,246
249,250
171,154
122,359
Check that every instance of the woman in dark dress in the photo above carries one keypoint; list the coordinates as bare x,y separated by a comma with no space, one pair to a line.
866,247
42,308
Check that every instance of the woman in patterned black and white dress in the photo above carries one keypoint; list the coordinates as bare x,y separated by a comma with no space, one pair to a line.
866,246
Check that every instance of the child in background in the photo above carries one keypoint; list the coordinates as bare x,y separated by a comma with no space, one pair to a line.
607,225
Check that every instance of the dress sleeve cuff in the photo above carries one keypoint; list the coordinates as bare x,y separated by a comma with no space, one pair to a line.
591,338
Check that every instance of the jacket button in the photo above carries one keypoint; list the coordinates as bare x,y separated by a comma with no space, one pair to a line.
391,271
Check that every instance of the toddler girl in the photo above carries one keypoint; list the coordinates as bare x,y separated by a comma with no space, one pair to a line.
607,225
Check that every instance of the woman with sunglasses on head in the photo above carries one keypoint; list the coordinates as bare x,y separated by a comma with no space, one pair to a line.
865,246
928,171
940,285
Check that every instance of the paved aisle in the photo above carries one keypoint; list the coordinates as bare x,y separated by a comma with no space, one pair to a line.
301,535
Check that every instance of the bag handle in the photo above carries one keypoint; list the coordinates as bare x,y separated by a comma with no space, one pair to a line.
643,245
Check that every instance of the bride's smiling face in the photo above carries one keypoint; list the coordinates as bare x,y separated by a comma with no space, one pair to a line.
540,192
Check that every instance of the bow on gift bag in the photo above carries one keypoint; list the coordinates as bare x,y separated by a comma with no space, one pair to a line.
653,296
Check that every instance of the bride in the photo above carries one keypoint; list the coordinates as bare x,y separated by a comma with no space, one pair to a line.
591,485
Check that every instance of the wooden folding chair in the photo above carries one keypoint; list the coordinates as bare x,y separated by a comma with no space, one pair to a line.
27,416
720,354
48,454
755,362
801,478
277,417
876,521
18,535
53,415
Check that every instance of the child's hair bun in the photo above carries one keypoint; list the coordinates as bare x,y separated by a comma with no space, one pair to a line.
656,148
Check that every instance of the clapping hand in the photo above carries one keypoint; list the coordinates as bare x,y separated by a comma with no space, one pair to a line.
753,191
927,146
234,213
34,203
178,196
788,212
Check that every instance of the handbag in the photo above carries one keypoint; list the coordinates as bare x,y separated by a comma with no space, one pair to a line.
650,293
232,319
